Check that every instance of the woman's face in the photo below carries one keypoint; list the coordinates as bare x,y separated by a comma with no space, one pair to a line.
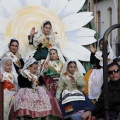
72,68
47,29
33,69
13,47
53,55
8,66
101,45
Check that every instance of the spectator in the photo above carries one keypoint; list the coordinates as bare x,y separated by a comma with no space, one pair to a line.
113,96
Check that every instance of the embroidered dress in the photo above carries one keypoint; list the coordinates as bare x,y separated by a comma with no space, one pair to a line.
36,104
8,80
34,101
41,43
52,74
10,86
69,91
67,86
95,81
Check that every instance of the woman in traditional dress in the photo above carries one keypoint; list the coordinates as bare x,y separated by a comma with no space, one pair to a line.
33,100
96,77
117,60
42,40
14,54
52,68
9,77
71,86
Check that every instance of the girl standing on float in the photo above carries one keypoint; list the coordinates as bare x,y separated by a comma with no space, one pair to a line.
9,77
42,40
33,100
96,77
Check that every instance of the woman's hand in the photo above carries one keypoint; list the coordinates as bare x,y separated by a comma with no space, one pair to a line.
92,49
86,115
46,65
33,79
1,77
32,32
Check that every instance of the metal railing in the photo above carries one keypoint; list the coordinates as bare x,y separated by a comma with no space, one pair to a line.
105,70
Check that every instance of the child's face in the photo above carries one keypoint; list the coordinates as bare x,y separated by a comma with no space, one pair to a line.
13,47
72,68
33,69
53,55
8,66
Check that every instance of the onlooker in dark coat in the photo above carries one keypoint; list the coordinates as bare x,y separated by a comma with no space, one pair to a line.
113,96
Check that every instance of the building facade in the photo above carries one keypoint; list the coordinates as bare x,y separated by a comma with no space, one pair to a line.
106,14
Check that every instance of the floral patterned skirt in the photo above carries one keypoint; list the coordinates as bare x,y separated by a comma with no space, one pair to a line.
41,103
50,84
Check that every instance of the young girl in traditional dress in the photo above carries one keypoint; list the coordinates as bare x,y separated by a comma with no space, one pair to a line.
14,54
70,89
42,40
52,68
33,100
9,77
96,77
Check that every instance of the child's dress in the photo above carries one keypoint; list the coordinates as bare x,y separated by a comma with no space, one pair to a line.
9,83
70,94
52,74
37,104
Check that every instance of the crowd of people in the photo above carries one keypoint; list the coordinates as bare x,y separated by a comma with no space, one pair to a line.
48,86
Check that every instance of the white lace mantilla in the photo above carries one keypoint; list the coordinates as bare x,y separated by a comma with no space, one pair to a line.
95,83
